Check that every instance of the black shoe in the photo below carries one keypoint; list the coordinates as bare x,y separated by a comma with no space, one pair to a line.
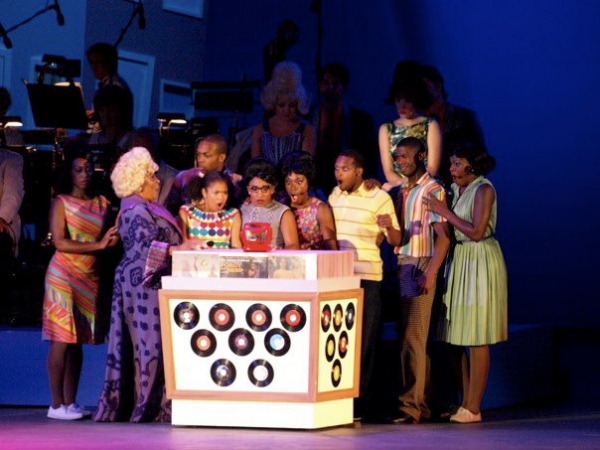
401,417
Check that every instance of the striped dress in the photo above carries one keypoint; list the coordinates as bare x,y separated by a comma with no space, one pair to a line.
274,147
72,280
476,299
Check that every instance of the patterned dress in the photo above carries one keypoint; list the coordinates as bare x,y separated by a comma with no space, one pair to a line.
310,235
476,299
134,385
397,133
72,279
209,226
273,147
271,214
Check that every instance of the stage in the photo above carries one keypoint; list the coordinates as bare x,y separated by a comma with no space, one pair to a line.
532,427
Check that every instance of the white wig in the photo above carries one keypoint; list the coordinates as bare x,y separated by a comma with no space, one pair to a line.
286,81
131,172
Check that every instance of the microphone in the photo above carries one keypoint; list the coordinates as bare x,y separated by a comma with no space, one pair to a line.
59,15
5,38
141,16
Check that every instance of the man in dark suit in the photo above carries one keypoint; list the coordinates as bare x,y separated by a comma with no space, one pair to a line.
341,126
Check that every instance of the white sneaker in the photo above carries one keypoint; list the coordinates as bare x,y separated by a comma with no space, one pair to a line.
76,408
463,415
63,413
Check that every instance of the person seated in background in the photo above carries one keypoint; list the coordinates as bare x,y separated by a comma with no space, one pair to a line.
206,220
104,61
11,197
283,131
211,154
457,124
149,139
340,126
260,180
314,219
410,94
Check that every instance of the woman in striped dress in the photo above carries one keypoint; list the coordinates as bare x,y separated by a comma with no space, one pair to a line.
77,224
283,131
476,298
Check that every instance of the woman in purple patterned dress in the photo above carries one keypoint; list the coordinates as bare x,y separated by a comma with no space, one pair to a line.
134,386
314,219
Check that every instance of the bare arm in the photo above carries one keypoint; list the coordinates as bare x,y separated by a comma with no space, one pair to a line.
309,139
393,235
289,231
434,148
182,222
442,243
236,241
482,211
392,178
256,148
58,228
327,225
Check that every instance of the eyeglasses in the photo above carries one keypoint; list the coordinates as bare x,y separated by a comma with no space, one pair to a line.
264,189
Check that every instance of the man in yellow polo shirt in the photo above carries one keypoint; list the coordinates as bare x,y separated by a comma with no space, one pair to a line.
363,219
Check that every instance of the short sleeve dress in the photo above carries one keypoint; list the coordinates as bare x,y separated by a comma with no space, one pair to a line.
397,133
271,214
476,298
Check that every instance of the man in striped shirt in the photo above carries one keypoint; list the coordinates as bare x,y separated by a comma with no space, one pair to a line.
363,218
425,241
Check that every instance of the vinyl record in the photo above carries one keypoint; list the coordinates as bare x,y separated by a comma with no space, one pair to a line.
330,348
186,315
325,318
350,316
293,318
203,343
336,373
259,317
277,342
338,316
241,342
221,317
260,373
222,372
343,344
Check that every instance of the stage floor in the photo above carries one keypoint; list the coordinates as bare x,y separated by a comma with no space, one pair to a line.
569,425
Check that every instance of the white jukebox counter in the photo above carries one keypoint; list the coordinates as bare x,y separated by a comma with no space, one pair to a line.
278,351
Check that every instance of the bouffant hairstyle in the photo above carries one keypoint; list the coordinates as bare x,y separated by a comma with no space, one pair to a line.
408,83
479,159
285,82
260,168
131,171
300,163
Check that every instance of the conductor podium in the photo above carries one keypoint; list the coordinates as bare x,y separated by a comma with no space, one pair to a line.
269,340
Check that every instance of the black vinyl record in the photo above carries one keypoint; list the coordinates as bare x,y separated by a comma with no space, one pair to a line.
343,344
336,373
259,317
325,318
338,317
241,342
223,372
277,342
293,317
186,315
260,373
203,343
330,348
221,317
350,316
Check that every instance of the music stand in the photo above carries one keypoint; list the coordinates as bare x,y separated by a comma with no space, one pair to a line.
57,106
